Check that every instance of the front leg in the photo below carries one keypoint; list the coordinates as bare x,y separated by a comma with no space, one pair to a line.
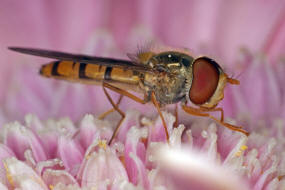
214,109
199,112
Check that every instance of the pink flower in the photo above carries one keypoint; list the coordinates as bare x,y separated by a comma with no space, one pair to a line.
70,152
54,154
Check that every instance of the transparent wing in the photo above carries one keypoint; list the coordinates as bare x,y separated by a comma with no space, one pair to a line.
110,62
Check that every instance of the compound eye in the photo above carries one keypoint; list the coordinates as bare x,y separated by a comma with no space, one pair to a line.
205,80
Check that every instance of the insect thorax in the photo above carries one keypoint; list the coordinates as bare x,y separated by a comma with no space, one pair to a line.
170,84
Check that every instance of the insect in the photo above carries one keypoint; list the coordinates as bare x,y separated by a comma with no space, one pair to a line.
166,77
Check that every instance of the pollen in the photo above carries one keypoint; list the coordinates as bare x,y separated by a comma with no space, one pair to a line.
8,174
241,150
243,147
103,144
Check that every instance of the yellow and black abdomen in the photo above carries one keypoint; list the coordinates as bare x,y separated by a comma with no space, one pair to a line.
88,73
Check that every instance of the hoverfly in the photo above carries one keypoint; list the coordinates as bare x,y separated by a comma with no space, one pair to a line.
166,77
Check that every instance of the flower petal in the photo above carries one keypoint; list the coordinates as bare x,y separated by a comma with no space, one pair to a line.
20,138
135,157
22,176
157,131
3,187
70,153
192,170
5,152
90,128
102,168
54,177
131,119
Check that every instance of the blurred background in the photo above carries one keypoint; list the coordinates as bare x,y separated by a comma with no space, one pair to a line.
233,32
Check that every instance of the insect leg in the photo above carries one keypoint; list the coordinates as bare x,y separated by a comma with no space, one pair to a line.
176,116
198,112
155,103
214,109
118,110
122,93
103,115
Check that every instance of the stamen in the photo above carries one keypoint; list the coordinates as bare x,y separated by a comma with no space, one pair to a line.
241,150
102,144
8,175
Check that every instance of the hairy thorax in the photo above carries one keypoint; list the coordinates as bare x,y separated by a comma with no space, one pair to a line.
168,88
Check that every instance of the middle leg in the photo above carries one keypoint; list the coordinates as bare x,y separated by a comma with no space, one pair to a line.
155,103
115,107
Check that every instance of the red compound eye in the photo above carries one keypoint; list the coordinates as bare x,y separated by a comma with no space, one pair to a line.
205,80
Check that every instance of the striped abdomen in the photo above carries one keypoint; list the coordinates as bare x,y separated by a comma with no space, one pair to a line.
88,73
